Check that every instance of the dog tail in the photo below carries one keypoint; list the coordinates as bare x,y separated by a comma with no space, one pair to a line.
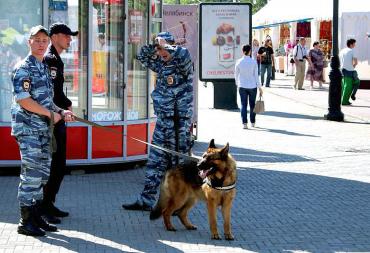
157,210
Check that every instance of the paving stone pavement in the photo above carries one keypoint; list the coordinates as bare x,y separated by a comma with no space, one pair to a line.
303,186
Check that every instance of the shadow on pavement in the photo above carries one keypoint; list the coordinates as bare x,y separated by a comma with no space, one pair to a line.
251,155
273,212
291,115
280,131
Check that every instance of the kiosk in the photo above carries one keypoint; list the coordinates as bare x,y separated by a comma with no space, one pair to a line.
102,78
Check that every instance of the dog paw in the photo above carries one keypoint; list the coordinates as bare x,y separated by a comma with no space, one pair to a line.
171,229
216,237
192,227
229,237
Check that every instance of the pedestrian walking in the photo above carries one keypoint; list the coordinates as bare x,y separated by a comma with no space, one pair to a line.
267,62
300,57
350,81
316,65
173,106
60,36
255,48
246,78
33,115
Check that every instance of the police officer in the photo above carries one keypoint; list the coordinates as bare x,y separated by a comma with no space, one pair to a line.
33,115
60,36
172,100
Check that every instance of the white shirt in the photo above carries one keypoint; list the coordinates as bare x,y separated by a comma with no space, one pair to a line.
246,73
346,56
300,53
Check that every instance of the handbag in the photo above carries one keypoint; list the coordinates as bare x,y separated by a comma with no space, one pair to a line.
260,106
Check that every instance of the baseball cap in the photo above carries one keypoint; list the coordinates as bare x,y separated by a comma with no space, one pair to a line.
36,29
61,28
167,37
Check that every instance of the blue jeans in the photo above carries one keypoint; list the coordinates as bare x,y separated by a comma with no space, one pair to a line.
244,95
266,68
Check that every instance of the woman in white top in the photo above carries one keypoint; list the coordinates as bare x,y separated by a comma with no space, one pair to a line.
246,78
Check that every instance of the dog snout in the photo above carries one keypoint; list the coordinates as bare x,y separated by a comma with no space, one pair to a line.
201,164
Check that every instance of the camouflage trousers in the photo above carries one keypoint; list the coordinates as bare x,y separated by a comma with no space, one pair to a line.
159,161
35,170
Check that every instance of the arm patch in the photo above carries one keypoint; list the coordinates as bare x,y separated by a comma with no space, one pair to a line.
26,84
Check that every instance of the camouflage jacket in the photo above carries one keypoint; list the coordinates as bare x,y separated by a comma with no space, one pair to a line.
174,84
31,79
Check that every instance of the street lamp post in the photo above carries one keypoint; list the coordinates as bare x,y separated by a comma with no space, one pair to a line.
335,87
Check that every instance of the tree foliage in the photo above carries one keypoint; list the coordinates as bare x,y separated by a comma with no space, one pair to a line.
256,4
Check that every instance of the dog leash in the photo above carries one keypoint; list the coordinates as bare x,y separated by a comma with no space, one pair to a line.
173,152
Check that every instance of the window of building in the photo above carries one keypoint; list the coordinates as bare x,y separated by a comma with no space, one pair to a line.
17,17
74,13
137,88
108,60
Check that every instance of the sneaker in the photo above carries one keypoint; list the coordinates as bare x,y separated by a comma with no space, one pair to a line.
253,124
245,126
300,88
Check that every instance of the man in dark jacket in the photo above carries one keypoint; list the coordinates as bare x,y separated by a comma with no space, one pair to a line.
60,35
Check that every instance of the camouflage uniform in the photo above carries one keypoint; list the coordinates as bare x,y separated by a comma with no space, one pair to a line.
31,79
173,89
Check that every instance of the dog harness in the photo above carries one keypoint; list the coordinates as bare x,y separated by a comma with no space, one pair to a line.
220,188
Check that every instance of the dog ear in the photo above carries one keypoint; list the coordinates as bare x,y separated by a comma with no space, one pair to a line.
212,144
225,151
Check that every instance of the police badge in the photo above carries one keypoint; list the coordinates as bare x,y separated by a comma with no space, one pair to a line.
170,80
53,72
26,84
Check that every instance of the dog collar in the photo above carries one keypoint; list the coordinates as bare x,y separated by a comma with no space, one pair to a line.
220,188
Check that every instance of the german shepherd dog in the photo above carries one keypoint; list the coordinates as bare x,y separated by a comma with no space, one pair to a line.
212,179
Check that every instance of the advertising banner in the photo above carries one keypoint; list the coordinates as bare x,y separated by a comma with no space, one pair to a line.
181,22
225,28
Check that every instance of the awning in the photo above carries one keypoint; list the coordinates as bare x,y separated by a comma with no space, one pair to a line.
279,23
277,11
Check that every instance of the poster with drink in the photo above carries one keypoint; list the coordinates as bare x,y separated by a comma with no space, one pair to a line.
224,29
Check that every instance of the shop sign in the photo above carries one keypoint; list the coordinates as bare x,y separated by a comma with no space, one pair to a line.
132,115
225,28
107,116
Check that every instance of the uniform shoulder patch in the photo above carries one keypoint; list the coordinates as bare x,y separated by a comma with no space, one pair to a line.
53,72
26,84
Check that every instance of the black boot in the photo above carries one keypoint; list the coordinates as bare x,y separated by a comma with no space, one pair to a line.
26,224
52,210
57,212
40,221
47,213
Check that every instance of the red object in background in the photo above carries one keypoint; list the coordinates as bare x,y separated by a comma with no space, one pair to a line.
9,149
227,56
152,127
153,7
138,131
325,30
76,142
106,144
304,29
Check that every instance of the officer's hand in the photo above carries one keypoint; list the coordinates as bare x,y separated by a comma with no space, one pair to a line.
57,117
68,116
